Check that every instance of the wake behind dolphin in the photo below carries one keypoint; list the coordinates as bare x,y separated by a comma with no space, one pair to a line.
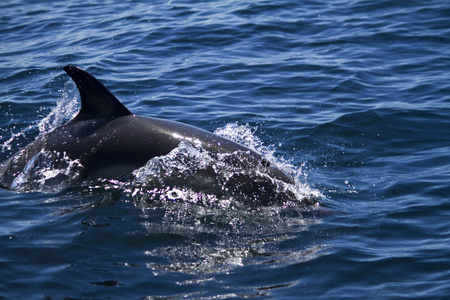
106,141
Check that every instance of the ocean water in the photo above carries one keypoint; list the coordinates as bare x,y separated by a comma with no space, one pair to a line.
353,97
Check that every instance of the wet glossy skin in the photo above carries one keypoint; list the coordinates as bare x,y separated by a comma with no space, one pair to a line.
110,142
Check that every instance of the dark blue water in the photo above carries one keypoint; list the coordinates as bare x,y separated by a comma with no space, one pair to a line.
353,95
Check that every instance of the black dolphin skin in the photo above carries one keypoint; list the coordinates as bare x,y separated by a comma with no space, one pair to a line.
110,142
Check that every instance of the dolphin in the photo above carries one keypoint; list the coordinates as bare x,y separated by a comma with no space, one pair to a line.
109,142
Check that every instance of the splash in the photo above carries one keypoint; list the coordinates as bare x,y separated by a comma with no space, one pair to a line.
198,196
66,107
47,172
192,174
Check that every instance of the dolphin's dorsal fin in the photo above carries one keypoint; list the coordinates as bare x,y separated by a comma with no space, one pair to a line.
96,100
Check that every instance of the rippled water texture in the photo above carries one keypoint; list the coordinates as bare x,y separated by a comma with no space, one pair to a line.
351,97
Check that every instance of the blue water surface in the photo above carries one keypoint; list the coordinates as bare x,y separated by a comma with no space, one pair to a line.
353,95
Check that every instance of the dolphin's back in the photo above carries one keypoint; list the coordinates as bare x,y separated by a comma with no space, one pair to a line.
107,141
